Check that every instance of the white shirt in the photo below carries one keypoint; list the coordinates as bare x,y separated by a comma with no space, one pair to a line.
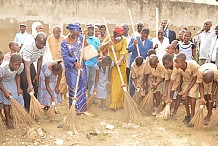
205,44
128,38
213,49
161,50
30,52
20,38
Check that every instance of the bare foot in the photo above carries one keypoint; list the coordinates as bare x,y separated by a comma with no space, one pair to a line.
9,125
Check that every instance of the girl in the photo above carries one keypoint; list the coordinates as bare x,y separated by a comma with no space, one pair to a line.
103,76
1,98
10,85
50,77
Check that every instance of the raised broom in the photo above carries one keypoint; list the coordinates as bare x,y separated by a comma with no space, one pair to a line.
70,122
131,111
36,110
198,119
20,115
146,105
214,118
51,110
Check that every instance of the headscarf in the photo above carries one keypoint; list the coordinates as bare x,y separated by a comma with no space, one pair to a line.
118,29
74,26
34,26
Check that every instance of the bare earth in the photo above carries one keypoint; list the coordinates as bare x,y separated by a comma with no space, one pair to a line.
106,128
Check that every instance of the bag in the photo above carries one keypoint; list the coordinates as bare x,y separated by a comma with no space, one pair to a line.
89,52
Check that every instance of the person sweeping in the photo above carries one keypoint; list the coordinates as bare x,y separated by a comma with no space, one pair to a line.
10,85
50,78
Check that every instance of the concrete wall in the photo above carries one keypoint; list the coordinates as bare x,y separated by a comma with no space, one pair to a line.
61,12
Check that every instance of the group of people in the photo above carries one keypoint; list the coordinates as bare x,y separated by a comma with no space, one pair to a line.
165,65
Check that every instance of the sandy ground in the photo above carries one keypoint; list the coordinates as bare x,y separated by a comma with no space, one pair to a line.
150,132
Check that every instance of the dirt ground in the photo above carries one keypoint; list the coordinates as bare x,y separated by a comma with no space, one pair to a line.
106,128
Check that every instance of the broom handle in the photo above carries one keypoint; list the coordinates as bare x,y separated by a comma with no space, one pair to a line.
115,57
133,29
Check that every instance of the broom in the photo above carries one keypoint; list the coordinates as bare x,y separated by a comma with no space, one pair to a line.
131,111
70,119
51,110
89,101
136,96
214,118
165,114
1,126
146,105
19,113
198,119
36,110
160,107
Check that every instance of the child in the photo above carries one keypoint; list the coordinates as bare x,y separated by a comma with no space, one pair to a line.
187,47
50,77
171,50
137,72
14,48
155,74
188,71
102,80
207,78
1,98
175,92
10,85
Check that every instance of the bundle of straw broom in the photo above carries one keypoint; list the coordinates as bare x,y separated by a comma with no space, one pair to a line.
89,101
146,105
51,110
160,107
70,122
214,118
198,119
1,126
20,115
131,111
136,96
165,114
36,110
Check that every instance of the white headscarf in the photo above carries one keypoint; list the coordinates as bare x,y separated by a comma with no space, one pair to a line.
34,26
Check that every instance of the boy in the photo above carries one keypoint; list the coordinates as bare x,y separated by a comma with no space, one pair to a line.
207,79
14,48
155,75
1,98
188,71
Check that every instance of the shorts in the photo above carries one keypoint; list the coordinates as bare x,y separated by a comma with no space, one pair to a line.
193,91
207,88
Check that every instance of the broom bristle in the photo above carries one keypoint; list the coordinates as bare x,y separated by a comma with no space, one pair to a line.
20,115
136,97
89,101
165,114
51,111
198,119
1,126
131,111
214,118
36,110
146,104
70,122
160,107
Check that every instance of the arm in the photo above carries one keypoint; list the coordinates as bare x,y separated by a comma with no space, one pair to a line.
6,93
169,89
166,87
131,46
201,90
39,65
28,77
177,49
58,80
96,80
194,51
19,90
104,45
47,81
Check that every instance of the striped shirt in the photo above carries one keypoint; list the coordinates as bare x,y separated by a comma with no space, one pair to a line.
29,51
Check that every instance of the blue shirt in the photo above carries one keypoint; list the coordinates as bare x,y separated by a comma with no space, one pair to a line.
95,42
143,48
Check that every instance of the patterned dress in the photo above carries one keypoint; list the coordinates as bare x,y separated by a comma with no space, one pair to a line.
9,82
43,95
70,54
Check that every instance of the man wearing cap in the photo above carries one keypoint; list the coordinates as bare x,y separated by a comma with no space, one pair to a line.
21,36
170,34
92,41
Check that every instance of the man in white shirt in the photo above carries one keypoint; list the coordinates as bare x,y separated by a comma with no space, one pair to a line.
205,42
21,36
214,47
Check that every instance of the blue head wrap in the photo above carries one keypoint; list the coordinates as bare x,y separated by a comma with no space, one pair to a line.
74,26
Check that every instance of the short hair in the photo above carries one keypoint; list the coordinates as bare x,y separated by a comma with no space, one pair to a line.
1,52
181,56
15,57
167,57
102,26
107,60
11,44
151,51
188,32
56,27
139,60
145,31
57,66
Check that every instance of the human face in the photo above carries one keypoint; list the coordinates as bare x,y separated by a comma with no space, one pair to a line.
16,47
168,64
91,31
207,26
125,29
186,37
97,32
164,24
1,59
144,36
179,63
102,31
40,43
39,28
216,29
57,33
14,65
74,34
160,34
22,29
170,50
180,35
139,27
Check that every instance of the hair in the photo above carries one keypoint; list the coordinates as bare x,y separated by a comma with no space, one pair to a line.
1,53
107,60
145,31
56,27
170,46
102,26
139,60
15,57
188,32
181,56
153,59
167,57
56,66
11,44
151,51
